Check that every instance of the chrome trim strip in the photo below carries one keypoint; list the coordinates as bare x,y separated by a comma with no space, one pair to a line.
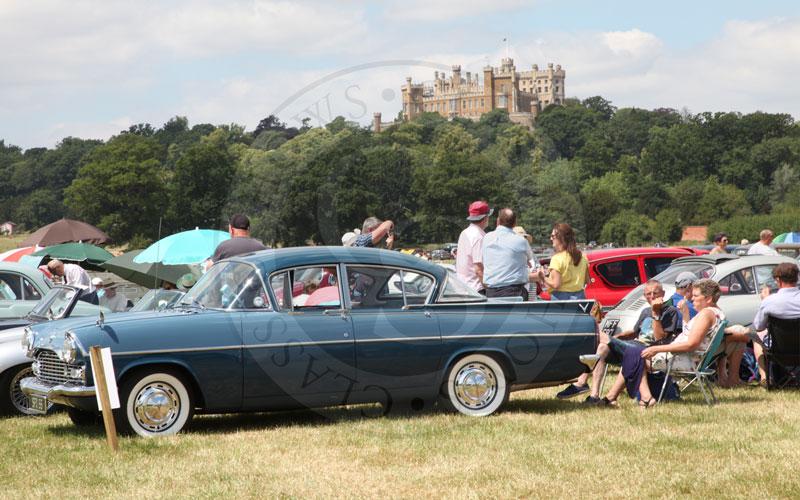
396,339
295,344
511,335
167,351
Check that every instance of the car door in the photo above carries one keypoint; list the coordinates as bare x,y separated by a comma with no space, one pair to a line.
617,277
738,300
301,353
398,345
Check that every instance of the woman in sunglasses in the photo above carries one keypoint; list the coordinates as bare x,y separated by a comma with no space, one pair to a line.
720,243
568,272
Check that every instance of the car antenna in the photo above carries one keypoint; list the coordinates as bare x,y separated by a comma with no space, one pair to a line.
158,253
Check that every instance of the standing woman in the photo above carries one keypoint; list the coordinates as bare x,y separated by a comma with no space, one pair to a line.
568,272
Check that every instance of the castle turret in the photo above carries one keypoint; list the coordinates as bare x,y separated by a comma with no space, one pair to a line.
376,122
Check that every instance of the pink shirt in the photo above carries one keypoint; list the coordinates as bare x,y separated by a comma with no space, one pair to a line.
470,253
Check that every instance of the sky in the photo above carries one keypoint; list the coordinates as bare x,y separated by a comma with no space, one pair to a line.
90,69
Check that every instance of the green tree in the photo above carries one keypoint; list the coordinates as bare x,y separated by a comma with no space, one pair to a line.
119,187
568,127
628,228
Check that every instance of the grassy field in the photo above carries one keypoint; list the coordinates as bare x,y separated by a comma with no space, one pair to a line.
9,243
744,447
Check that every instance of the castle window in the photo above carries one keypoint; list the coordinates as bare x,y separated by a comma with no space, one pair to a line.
482,103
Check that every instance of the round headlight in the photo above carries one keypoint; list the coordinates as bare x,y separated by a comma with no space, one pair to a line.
27,342
69,353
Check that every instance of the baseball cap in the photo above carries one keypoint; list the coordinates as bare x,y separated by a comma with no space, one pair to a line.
478,210
685,279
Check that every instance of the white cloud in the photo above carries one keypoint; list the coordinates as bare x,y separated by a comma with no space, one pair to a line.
442,10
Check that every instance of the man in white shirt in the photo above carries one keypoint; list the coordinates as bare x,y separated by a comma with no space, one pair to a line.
73,274
108,297
762,246
469,257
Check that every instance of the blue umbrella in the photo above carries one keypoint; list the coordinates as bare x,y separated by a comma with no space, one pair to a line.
188,247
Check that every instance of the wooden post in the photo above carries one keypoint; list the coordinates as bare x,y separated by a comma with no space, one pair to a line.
105,403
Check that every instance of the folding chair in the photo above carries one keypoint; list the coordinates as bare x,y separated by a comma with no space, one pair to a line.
702,370
784,351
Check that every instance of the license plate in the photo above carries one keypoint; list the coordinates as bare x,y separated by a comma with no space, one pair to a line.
609,326
38,404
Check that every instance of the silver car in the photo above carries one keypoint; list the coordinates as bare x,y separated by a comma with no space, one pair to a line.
740,278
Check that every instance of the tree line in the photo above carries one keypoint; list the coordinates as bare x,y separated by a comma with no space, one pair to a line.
629,176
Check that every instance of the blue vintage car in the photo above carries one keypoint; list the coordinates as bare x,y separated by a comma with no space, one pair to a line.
311,327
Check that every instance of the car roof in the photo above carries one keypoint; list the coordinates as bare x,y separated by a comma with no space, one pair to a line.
605,253
740,260
281,258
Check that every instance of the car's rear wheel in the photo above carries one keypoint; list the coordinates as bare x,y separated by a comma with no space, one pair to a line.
476,386
12,400
154,403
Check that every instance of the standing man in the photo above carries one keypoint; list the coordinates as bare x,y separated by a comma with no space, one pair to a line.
373,231
73,274
240,242
469,256
762,246
108,297
505,259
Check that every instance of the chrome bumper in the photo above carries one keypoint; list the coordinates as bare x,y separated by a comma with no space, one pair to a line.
57,393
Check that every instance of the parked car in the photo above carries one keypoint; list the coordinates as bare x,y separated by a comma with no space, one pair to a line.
60,302
441,254
21,287
740,278
311,327
615,272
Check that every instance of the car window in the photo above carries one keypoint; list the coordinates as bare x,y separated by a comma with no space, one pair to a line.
387,288
456,290
656,265
737,283
764,277
230,286
306,288
10,286
620,272
31,293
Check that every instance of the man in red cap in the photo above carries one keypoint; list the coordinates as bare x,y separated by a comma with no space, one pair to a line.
469,258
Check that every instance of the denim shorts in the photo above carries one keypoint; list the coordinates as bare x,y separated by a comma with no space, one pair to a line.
579,295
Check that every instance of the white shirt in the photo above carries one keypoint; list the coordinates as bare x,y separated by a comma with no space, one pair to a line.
117,303
759,248
75,275
470,252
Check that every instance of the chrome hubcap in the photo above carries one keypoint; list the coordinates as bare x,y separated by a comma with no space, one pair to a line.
475,385
156,406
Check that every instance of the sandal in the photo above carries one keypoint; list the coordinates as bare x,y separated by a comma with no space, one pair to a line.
644,405
609,403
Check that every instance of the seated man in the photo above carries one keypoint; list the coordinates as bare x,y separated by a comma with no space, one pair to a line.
682,298
784,304
657,323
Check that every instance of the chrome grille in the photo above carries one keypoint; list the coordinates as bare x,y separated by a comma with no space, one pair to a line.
632,304
51,368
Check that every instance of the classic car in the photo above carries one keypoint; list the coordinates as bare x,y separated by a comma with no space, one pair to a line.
616,271
740,279
311,327
60,302
21,287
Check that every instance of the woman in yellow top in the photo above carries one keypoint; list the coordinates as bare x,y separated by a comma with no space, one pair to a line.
568,272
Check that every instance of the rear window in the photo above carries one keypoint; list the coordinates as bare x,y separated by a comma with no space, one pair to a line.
620,273
656,265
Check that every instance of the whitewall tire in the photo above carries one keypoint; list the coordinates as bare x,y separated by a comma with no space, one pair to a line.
154,403
476,386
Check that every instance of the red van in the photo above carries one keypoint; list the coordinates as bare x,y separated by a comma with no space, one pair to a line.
614,272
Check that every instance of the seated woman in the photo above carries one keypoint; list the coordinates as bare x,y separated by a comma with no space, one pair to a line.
696,337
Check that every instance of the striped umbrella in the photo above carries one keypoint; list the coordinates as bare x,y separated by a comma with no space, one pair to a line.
15,254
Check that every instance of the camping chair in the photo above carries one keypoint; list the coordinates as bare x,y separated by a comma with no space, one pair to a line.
702,370
784,351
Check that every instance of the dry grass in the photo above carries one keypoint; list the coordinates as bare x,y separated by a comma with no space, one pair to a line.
539,447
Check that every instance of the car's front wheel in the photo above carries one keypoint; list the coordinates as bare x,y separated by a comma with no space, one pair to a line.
12,400
154,403
476,386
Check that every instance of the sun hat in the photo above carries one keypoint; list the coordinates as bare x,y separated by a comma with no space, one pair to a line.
478,210
186,282
350,237
521,231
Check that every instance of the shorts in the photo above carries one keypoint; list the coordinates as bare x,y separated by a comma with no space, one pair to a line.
617,349
682,362
579,295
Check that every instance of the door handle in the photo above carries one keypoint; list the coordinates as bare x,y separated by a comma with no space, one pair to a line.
346,334
427,314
